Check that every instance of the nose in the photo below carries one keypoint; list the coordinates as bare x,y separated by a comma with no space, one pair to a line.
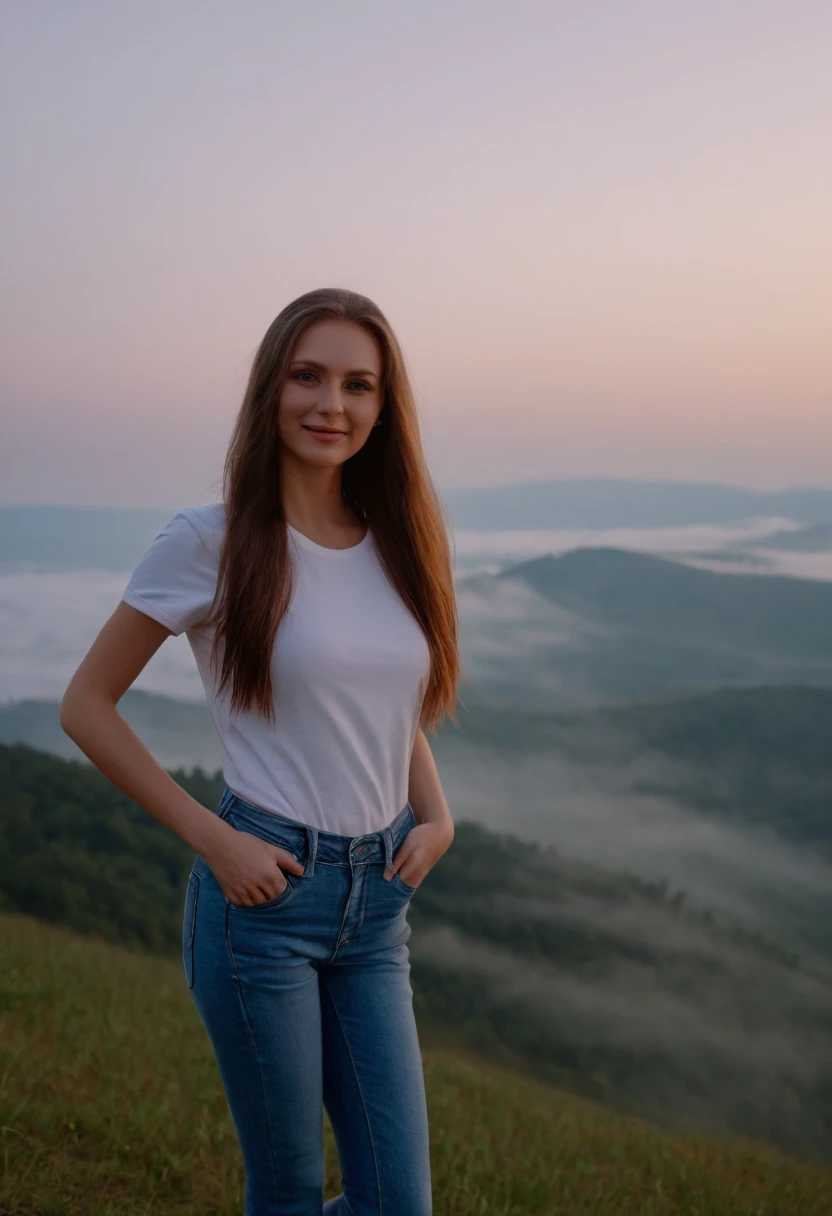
330,400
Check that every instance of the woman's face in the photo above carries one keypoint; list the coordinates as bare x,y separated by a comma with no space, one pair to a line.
333,384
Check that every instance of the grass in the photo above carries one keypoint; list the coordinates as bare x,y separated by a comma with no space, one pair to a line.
111,1103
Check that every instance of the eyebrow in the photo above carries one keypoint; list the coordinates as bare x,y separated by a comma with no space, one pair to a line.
322,367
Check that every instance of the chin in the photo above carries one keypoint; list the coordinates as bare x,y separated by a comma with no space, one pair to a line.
323,457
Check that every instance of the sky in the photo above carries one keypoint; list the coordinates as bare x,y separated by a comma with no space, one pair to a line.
601,231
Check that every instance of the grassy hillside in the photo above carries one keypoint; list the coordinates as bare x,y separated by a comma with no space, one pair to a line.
598,982
110,1103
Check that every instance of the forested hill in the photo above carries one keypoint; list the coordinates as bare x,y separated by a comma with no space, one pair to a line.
599,982
757,756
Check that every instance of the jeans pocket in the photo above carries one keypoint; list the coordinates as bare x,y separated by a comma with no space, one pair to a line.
399,882
189,926
278,901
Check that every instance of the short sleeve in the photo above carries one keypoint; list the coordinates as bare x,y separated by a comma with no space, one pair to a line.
176,579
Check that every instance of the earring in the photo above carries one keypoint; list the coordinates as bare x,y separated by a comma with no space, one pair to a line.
377,422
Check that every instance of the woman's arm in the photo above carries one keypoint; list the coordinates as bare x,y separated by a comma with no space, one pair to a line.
434,831
247,872
88,714
425,792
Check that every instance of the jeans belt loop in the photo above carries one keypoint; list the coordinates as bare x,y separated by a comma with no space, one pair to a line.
387,836
312,852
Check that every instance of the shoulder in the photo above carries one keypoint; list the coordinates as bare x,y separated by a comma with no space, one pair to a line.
191,537
175,579
200,528
206,520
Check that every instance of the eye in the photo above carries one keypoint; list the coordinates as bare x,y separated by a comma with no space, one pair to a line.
362,384
303,373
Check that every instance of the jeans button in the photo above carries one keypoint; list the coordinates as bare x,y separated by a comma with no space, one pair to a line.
361,849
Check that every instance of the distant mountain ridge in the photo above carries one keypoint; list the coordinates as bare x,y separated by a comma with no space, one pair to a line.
601,625
815,539
597,502
114,538
627,589
176,731
96,538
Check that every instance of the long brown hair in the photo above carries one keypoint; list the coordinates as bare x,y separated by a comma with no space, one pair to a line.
386,482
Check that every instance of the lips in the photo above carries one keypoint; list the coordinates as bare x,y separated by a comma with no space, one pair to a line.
324,430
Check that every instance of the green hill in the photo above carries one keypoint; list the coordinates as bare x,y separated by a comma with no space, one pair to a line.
600,625
760,616
111,1103
758,757
598,982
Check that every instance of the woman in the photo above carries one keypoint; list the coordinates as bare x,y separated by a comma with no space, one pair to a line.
318,601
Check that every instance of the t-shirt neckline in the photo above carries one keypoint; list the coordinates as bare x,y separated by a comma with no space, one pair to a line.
312,546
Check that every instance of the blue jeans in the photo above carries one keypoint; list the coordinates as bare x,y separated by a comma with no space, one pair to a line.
308,1004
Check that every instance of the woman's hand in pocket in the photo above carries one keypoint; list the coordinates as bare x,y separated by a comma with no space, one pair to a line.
419,852
248,869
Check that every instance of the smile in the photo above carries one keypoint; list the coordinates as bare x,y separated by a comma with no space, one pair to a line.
324,433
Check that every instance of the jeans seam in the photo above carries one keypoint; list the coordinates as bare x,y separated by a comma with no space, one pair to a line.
192,927
360,1091
253,1042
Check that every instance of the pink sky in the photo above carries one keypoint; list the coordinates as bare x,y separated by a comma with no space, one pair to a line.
601,231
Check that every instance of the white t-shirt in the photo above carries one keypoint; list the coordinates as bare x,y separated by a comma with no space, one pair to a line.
350,667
